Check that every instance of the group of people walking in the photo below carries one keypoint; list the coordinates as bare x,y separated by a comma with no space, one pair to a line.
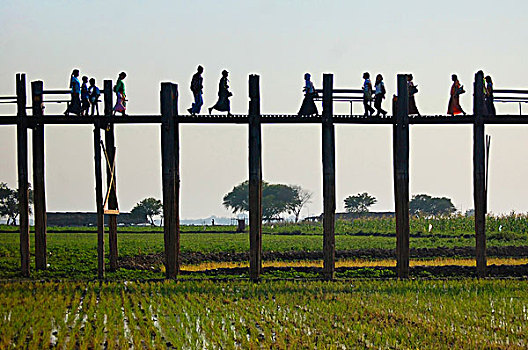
83,96
222,105
378,92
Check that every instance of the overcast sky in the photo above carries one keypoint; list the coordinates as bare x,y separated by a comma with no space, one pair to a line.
155,41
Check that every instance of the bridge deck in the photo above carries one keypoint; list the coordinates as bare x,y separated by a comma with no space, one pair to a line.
266,119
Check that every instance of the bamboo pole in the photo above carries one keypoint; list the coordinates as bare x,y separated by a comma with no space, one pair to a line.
99,200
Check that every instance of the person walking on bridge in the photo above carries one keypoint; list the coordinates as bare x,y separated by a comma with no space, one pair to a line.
454,101
308,106
119,89
197,90
85,101
223,103
413,89
489,96
379,95
75,86
367,95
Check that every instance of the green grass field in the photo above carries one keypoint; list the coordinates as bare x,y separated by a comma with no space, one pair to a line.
360,314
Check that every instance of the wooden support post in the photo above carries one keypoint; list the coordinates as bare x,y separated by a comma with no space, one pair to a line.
99,200
479,176
39,193
255,180
170,149
22,161
329,202
401,177
112,199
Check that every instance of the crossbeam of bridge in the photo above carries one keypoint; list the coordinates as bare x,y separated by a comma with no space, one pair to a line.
169,121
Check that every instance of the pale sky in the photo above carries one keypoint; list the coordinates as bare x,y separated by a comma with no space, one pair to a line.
155,41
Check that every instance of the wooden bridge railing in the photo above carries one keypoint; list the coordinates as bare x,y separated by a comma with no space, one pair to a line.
170,120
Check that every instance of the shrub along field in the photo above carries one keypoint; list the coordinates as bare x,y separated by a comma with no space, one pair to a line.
282,314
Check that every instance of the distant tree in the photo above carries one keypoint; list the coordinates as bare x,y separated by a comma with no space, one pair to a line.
9,205
359,203
147,209
425,205
276,199
302,197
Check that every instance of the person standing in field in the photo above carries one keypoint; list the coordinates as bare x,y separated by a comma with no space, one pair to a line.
454,101
367,95
413,89
75,86
379,95
94,93
197,90
489,96
308,106
119,89
85,102
223,104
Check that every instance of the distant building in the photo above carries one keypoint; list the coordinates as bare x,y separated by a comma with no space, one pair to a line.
352,216
89,219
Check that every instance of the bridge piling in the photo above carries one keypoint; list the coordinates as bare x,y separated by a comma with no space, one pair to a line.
170,164
479,176
328,157
401,176
99,200
112,185
22,163
255,180
39,192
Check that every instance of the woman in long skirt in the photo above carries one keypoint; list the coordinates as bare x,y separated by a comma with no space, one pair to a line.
454,101
75,85
119,89
223,104
308,106
413,89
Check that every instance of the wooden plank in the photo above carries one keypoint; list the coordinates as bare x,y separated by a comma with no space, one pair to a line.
328,156
39,192
22,162
479,176
401,177
170,178
112,199
255,180
99,200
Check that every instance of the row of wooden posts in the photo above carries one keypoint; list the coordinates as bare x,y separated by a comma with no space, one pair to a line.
170,149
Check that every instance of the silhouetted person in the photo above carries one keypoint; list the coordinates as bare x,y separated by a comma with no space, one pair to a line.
490,106
379,95
75,86
93,95
367,95
85,101
119,89
413,89
454,100
197,88
223,104
308,106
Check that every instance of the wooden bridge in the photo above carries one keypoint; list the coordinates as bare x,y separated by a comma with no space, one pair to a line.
169,120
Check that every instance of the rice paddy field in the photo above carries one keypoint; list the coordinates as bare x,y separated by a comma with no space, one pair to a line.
372,314
212,305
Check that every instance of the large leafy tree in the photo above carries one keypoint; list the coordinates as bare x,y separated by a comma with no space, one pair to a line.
425,205
147,209
9,207
359,203
276,199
